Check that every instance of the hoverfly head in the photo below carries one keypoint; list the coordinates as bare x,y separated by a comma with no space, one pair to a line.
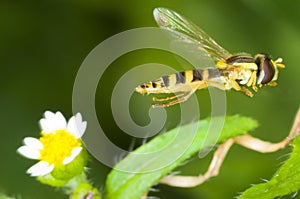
267,69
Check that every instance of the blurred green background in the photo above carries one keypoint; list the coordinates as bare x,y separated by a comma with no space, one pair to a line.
43,44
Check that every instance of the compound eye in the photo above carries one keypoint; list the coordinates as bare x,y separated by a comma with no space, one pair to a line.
267,71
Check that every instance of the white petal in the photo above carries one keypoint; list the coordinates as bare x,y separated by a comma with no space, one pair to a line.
29,152
40,169
33,143
45,125
49,114
76,126
78,117
53,122
73,155
61,122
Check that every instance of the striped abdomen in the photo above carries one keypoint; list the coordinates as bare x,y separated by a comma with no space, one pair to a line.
178,82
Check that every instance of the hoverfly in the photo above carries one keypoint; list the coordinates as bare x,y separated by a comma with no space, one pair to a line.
239,72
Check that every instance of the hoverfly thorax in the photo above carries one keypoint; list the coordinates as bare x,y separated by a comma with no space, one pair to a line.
267,69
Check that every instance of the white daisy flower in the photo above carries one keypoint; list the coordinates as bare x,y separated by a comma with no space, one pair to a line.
59,144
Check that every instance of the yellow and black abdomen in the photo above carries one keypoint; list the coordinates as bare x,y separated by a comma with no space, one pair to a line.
179,82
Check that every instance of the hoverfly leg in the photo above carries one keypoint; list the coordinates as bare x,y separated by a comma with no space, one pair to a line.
179,100
156,99
175,100
217,85
233,84
252,81
237,87
255,88
179,96
185,96
272,83
247,91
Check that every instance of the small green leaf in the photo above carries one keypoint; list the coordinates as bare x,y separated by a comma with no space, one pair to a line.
285,181
141,169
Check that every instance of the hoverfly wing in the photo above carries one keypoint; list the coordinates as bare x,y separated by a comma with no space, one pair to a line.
174,22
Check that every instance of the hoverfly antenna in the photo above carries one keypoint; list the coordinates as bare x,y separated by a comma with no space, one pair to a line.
279,63
279,60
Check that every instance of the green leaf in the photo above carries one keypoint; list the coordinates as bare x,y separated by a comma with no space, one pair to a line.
285,181
2,196
141,169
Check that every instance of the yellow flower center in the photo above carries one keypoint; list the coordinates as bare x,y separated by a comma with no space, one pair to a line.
57,146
